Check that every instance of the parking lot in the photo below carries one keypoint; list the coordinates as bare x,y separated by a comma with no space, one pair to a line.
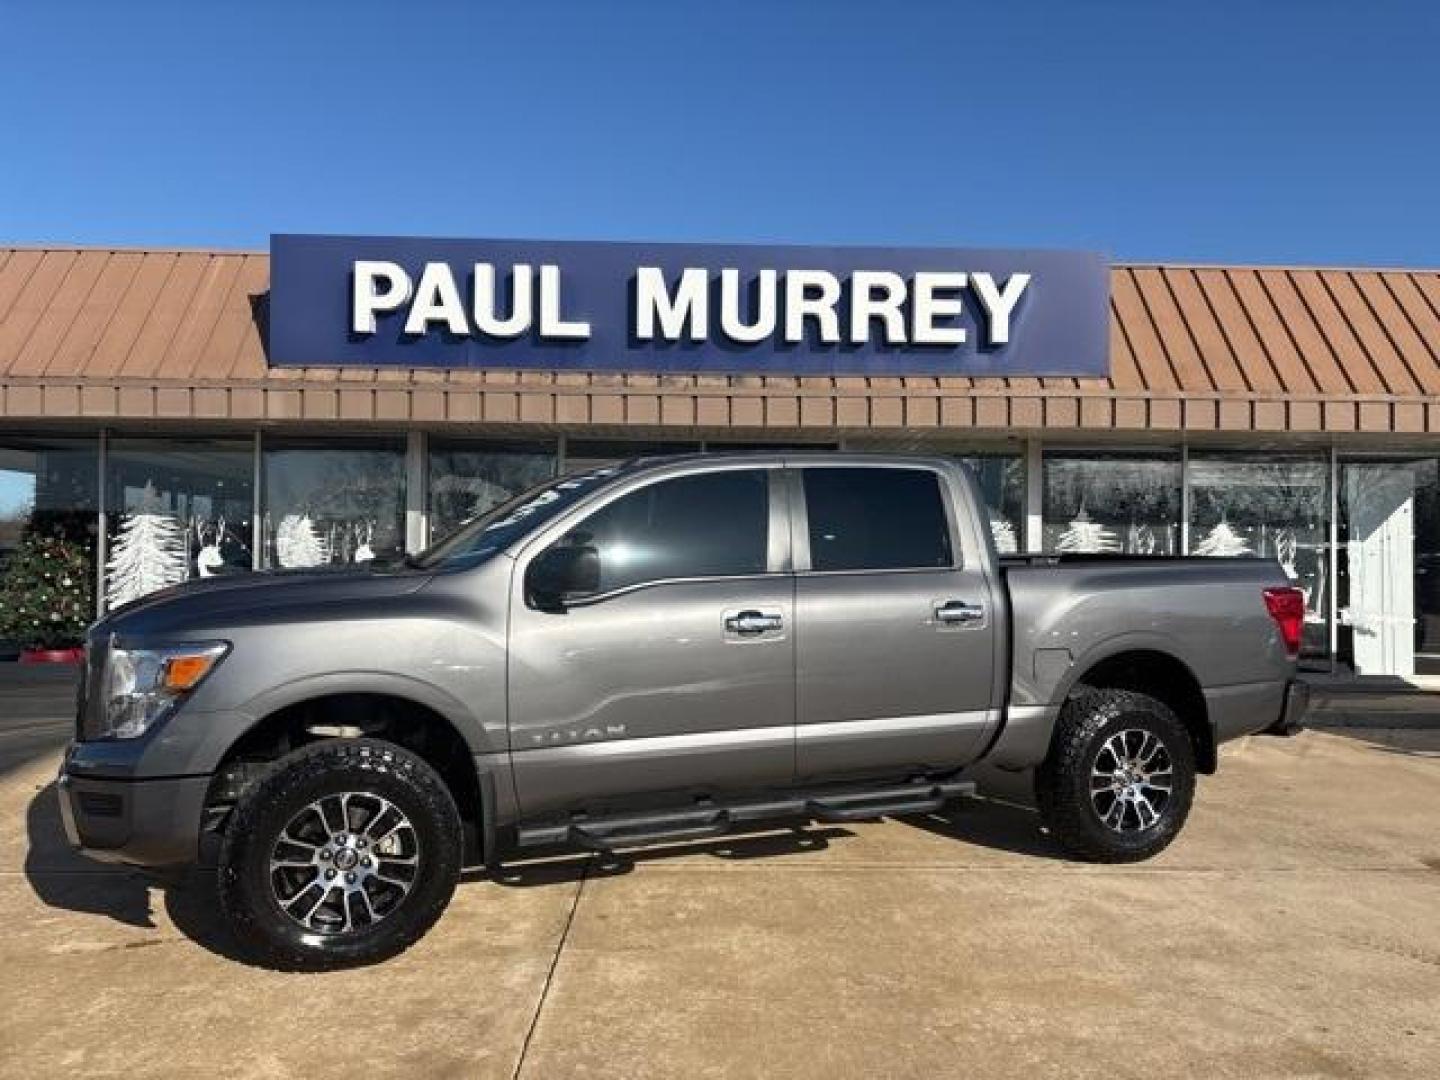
1293,930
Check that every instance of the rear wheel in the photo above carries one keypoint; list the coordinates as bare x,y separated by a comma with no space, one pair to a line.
345,854
1119,779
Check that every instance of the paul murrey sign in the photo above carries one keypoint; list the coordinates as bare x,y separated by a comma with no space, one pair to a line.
665,307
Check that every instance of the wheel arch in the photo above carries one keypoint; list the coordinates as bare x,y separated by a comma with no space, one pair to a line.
1158,673
301,714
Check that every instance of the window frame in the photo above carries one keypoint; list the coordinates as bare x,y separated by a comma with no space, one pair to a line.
777,547
800,517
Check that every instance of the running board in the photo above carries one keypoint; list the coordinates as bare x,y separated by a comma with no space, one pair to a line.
710,818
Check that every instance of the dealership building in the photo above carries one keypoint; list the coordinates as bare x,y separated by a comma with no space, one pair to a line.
335,400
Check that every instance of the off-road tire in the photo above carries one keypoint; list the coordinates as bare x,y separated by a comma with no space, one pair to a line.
271,937
1063,780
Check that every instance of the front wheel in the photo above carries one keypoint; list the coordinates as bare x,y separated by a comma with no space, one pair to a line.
345,854
1119,779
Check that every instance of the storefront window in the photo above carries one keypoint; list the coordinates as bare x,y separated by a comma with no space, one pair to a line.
49,512
176,509
1389,572
1271,506
1112,502
582,455
334,502
1002,485
467,479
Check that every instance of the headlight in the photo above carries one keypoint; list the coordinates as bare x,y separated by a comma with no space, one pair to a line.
142,685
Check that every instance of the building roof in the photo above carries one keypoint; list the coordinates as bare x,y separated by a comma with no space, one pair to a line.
112,335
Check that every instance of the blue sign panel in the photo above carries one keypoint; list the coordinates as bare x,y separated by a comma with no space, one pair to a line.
576,305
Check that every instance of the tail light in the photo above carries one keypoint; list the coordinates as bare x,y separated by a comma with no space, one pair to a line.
1287,607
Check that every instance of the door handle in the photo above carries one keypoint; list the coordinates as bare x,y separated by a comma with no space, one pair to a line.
750,622
959,613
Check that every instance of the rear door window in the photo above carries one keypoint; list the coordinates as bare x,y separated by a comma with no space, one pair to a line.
876,519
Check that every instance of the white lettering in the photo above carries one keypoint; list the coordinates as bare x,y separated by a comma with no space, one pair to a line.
690,304
866,305
437,300
551,324
800,303
999,303
484,302
366,301
927,307
731,323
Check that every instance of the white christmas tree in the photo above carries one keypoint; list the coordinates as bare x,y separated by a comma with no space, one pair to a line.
1222,541
1004,535
1083,536
148,553
297,543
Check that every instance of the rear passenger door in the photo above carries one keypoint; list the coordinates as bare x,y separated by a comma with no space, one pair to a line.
895,640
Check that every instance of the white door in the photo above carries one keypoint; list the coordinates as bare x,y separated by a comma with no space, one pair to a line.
1381,500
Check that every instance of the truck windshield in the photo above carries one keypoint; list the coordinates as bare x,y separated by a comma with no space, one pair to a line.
479,538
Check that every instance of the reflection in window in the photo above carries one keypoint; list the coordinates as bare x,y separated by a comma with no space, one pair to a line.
1002,485
1270,506
176,509
1112,502
333,503
711,525
467,479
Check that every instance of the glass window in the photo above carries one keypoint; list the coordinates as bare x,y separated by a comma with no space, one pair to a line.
49,485
470,479
176,509
1271,506
1112,502
333,502
876,519
710,525
49,518
1001,478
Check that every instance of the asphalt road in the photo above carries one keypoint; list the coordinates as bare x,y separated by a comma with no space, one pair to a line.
1290,932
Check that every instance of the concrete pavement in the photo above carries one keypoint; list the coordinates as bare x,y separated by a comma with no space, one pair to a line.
1291,931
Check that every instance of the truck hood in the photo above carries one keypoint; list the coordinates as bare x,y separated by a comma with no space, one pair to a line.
264,596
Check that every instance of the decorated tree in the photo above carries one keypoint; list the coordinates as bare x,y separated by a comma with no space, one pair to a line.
148,553
46,601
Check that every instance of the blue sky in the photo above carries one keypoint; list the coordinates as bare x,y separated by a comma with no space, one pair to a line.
1273,131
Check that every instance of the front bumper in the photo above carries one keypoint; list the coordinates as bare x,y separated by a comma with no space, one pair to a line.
150,822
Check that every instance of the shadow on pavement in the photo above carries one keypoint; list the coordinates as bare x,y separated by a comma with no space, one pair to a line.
63,878
1000,826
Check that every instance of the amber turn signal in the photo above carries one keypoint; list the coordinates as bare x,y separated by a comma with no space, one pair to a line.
184,672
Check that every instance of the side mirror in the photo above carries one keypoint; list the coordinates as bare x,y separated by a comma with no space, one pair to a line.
560,574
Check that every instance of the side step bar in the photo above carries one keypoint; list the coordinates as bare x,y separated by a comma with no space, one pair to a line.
710,818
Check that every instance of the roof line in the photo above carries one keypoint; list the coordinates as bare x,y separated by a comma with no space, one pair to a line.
165,249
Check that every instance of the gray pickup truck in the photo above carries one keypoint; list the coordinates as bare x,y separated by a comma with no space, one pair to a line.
666,648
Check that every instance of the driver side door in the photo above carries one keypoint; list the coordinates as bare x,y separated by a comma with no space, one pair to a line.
678,672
